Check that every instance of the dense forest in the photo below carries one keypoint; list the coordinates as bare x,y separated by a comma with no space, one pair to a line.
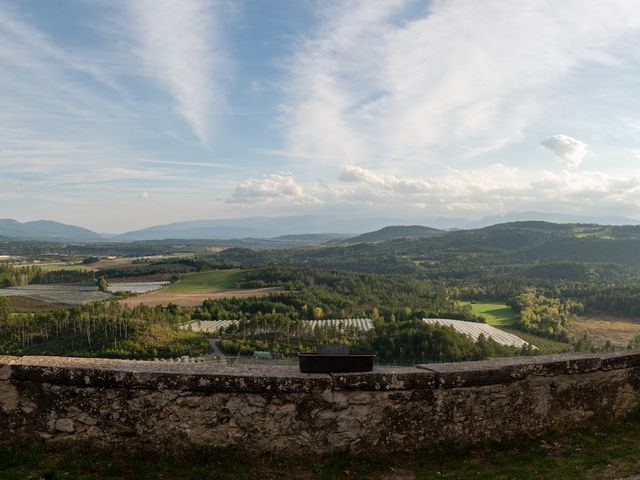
548,273
105,329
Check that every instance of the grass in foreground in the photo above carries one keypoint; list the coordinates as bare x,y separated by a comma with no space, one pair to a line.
602,452
211,280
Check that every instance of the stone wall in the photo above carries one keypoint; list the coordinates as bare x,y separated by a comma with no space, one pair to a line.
162,405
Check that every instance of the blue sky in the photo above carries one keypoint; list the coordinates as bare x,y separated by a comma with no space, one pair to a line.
118,115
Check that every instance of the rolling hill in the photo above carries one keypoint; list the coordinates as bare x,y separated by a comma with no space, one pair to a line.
45,230
397,231
531,249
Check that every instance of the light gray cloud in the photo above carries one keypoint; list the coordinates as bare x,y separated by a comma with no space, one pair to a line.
495,189
569,150
273,187
180,45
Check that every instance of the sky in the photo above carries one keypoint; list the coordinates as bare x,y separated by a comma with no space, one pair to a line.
120,114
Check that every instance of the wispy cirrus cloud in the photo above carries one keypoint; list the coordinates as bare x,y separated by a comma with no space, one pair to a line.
179,43
395,81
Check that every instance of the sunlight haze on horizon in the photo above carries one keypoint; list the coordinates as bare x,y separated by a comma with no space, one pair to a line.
118,115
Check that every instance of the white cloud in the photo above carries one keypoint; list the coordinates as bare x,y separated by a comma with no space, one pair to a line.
396,81
270,188
569,150
179,44
495,189
351,173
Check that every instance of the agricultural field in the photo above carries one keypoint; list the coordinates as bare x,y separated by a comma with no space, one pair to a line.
136,287
599,328
212,281
195,288
29,304
70,294
208,326
49,267
474,330
495,314
213,326
545,346
503,317
195,299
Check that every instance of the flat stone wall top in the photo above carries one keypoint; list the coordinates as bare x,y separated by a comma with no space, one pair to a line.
212,377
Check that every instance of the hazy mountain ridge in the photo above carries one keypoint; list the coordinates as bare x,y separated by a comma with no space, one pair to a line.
258,227
394,232
45,230
315,227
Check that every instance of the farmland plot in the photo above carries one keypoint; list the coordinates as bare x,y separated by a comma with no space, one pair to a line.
599,328
195,299
72,294
474,330
137,287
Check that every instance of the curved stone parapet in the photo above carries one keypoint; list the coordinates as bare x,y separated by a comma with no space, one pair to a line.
161,405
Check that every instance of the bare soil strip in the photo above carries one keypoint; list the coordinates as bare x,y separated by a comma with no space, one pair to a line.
194,299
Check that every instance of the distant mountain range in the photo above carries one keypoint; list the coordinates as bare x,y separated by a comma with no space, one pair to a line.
258,227
46,230
302,228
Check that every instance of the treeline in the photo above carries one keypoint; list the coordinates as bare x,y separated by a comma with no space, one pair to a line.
15,276
65,276
105,329
316,294
44,249
366,258
414,342
11,276
394,342
279,334
174,266
545,316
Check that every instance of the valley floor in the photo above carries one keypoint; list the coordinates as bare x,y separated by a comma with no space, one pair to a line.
603,452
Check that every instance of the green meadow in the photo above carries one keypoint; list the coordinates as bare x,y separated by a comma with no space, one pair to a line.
496,314
211,280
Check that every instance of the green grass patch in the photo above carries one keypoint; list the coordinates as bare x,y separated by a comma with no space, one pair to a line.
211,280
72,267
546,346
496,314
602,451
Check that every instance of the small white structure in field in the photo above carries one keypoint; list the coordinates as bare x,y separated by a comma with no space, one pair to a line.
213,326
360,324
473,330
208,326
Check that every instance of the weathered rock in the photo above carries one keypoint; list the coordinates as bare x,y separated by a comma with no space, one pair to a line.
64,425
